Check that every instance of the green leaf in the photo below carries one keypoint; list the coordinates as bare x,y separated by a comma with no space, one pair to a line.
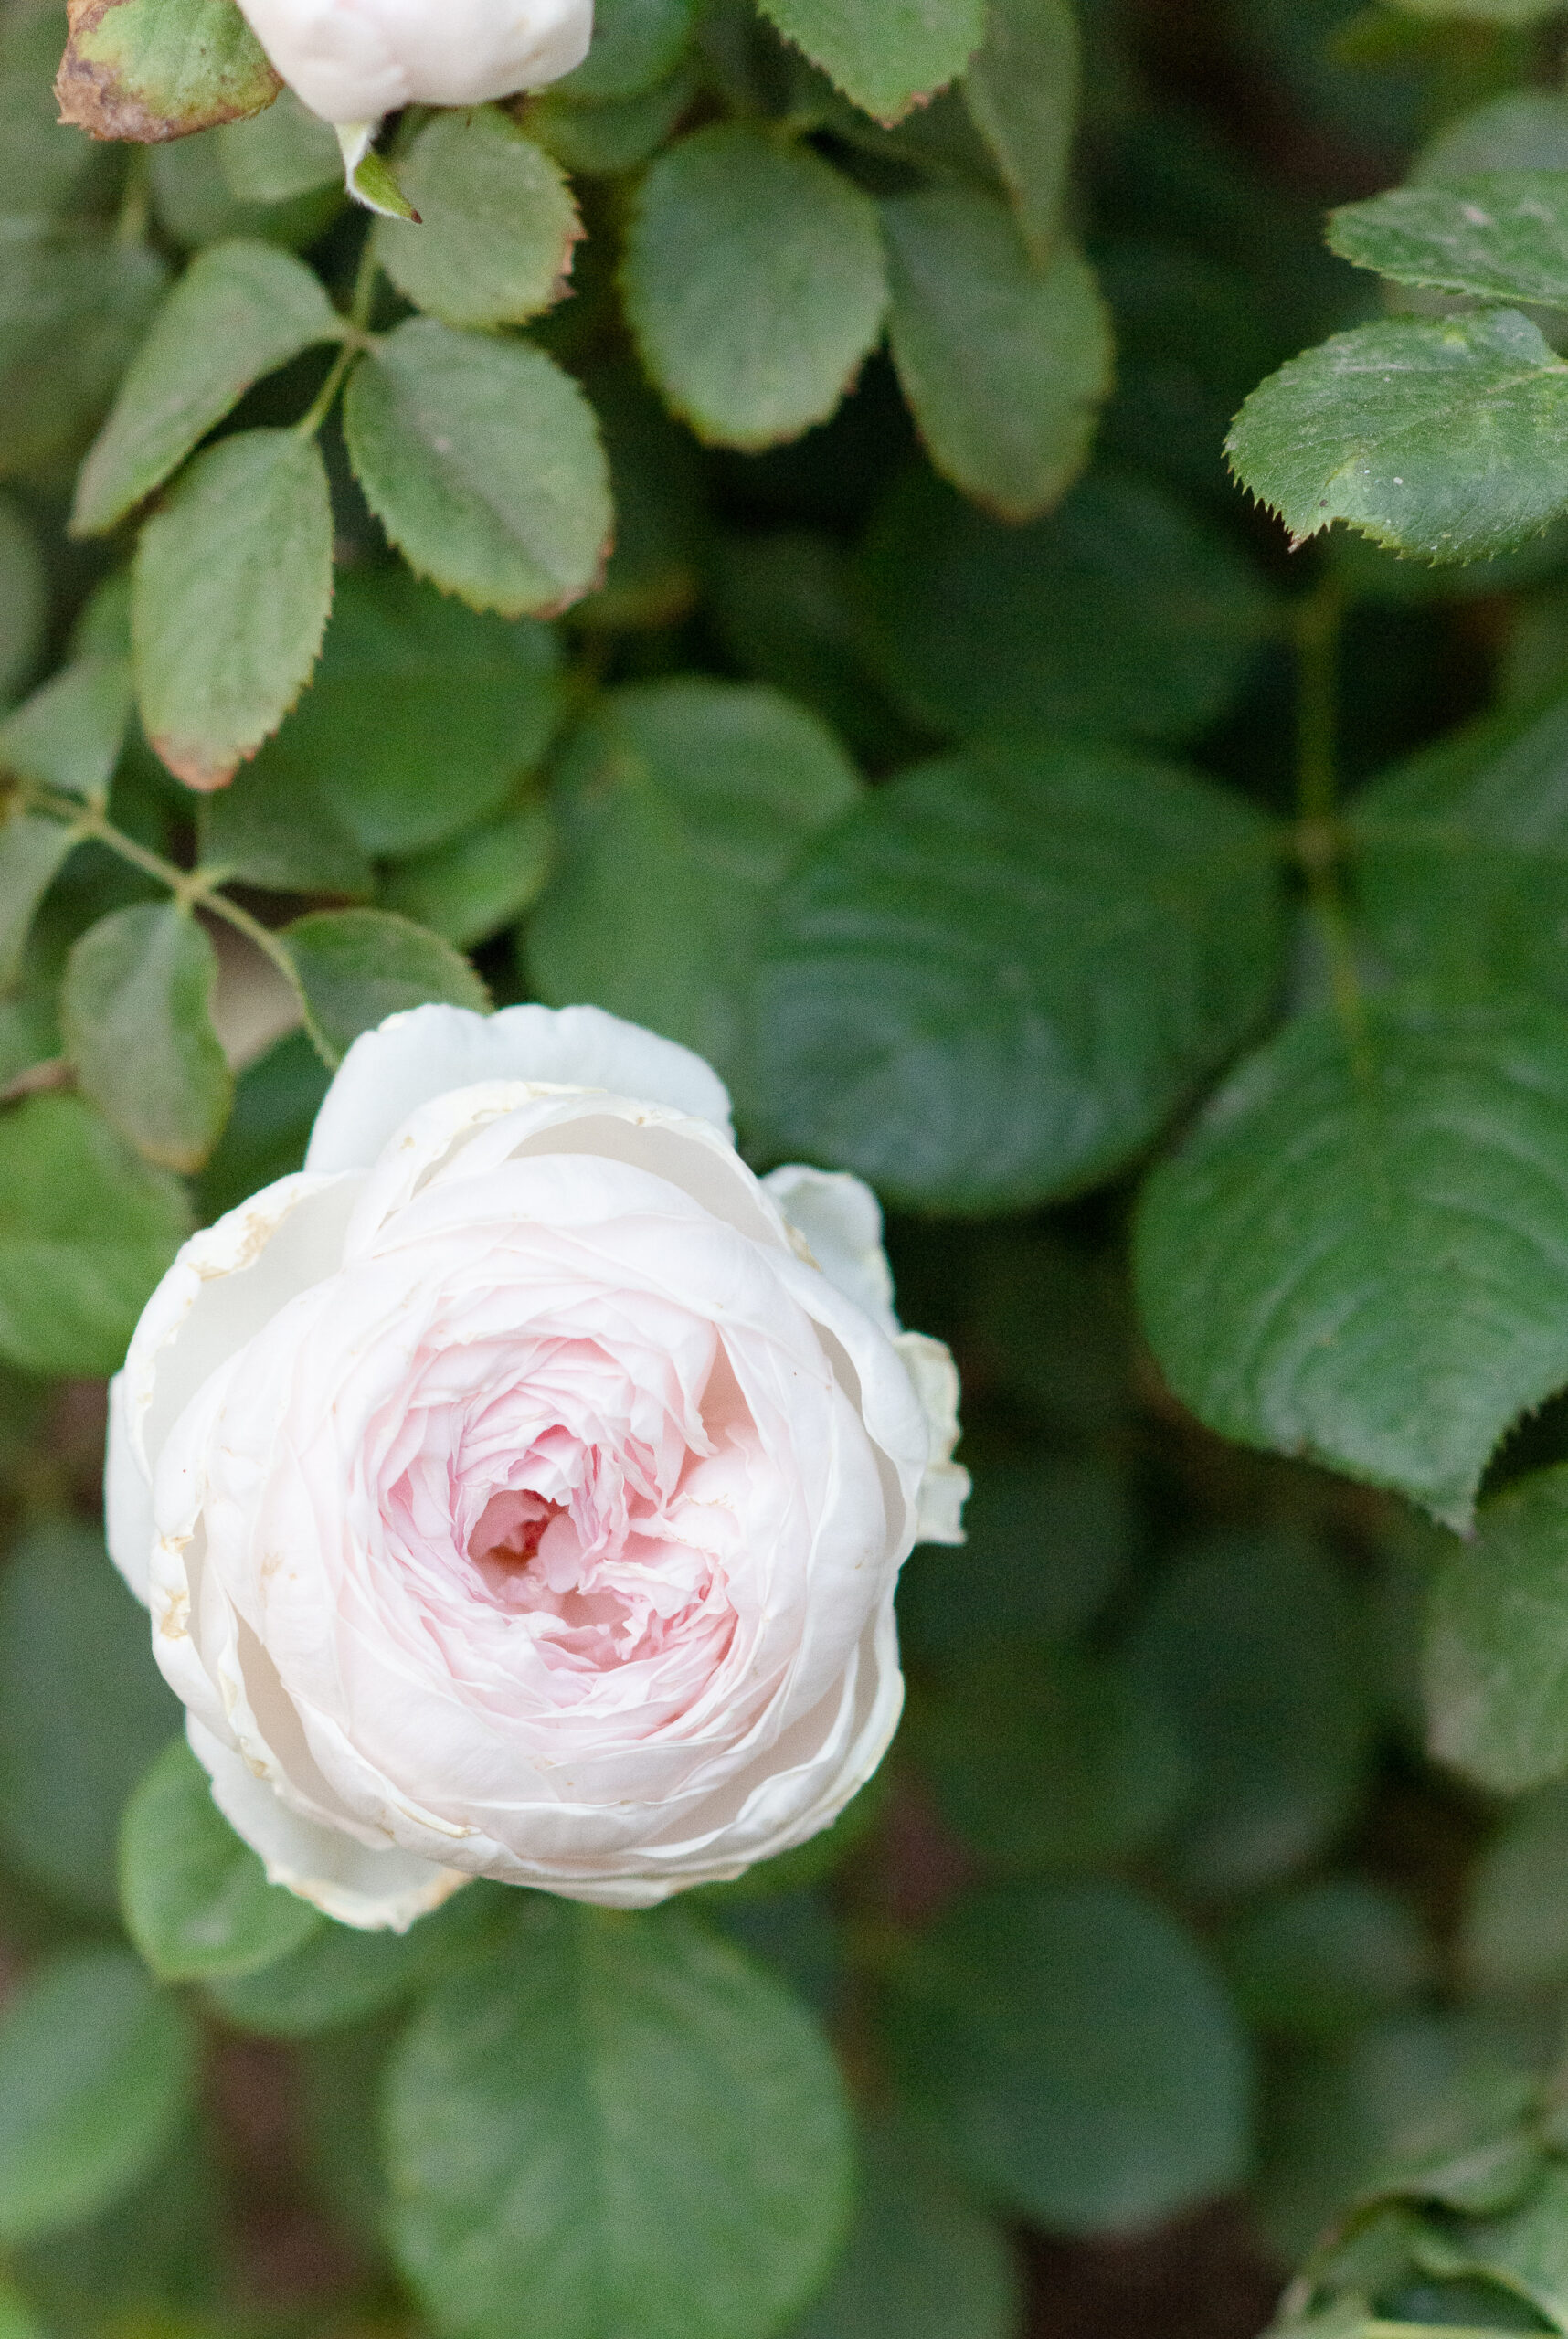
887,58
754,282
1326,1958
276,1100
83,1708
280,155
23,597
497,223
635,43
469,889
1481,12
86,1232
355,967
274,826
68,734
1021,89
1048,1540
96,2068
481,460
1515,1931
232,585
338,1977
1249,1644
656,474
195,204
74,306
32,848
1356,1255
196,1900
1495,1667
602,136
683,805
1523,130
240,311
1528,2249
1460,853
1503,234
1073,2049
782,603
152,70
1047,1758
17,2320
135,1016
923,2262
422,716
624,2124
993,982
369,178
45,164
1449,440
1003,364
1118,615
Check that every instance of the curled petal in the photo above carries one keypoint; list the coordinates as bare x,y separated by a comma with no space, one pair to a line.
945,1487
840,1221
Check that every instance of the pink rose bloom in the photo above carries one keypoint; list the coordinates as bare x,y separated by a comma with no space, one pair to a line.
520,1490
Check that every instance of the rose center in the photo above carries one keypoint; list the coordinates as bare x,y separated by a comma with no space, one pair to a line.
510,1530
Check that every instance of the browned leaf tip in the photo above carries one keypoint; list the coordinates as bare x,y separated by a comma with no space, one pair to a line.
94,94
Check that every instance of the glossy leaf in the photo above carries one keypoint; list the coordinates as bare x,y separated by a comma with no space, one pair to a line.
1355,1255
196,1900
755,284
481,460
1446,440
887,58
683,805
951,999
233,582
1118,615
136,1018
496,225
240,310
355,967
1073,2049
95,2067
624,2122
83,1710
1003,363
1503,234
86,1231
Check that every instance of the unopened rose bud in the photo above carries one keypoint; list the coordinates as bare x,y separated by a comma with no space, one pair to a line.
355,60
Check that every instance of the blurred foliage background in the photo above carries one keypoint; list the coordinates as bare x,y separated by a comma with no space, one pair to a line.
964,784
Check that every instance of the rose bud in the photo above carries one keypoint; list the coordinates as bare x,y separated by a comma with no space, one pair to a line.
520,1489
353,60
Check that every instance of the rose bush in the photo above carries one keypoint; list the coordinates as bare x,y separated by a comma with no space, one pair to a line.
520,1489
355,60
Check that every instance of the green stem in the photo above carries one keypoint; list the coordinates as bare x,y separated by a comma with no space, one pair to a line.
356,337
190,887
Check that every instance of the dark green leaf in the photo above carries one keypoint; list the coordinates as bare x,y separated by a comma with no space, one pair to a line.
276,156
601,137
635,43
1326,1958
240,310
274,826
1497,1651
73,307
23,597
32,848
481,460
887,58
995,981
497,223
233,582
196,203
95,2067
469,889
755,284
1357,1255
1072,2047
1515,1933
152,70
276,1099
86,1231
623,2122
1117,615
338,1977
924,2261
1445,440
1047,1543
135,1016
1022,91
656,478
196,1900
83,1708
1003,363
1249,1644
422,716
355,967
1503,234
69,734
684,807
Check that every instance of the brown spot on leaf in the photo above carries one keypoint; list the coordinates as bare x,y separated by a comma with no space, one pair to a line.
114,79
195,765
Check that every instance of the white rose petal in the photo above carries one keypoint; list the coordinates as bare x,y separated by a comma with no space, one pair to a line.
520,1490
355,60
